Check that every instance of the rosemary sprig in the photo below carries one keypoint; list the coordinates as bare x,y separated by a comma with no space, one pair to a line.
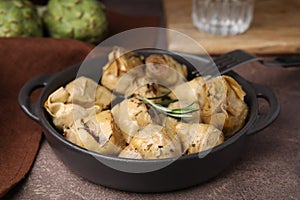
160,96
156,106
166,102
172,112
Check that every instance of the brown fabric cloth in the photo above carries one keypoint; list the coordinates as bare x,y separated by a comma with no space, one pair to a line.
21,60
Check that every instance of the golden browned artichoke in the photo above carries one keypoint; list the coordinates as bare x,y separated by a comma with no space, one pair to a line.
236,108
131,115
198,137
214,108
165,69
138,87
194,90
226,107
152,142
119,63
80,98
86,92
221,101
64,115
96,133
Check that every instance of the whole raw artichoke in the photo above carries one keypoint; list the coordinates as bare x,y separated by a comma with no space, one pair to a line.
78,19
19,18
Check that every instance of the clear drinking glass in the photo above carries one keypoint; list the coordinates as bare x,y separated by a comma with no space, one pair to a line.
222,17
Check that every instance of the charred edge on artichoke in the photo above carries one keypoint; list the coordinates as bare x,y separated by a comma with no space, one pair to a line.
92,133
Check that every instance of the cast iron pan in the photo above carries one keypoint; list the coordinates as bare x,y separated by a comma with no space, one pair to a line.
140,175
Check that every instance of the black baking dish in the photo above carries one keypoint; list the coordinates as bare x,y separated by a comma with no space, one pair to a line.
183,172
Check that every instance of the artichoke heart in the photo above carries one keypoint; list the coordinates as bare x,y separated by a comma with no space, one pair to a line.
80,98
237,109
165,69
131,115
97,133
221,101
153,142
119,63
198,137
86,93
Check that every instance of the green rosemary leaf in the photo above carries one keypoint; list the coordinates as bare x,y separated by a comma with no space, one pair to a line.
186,107
172,112
184,111
160,96
178,115
158,107
166,102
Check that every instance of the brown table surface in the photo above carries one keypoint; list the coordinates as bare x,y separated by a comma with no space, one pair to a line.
268,169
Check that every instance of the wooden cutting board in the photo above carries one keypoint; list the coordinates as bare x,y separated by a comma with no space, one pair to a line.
275,29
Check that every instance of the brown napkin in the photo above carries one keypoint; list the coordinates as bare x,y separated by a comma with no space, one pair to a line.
20,60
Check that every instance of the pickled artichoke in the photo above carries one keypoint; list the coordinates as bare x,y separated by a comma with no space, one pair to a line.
19,18
78,19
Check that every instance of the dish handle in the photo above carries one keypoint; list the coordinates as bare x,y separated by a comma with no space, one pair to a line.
265,119
29,107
